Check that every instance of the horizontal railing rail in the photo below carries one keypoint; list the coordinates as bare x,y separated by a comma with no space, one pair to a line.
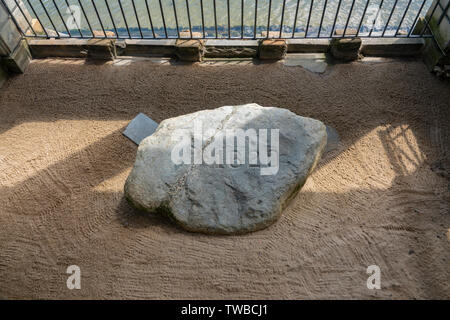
224,19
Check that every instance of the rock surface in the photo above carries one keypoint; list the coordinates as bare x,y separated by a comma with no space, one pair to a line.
224,198
345,49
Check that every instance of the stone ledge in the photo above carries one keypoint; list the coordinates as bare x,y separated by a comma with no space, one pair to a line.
392,47
218,48
149,47
48,48
231,49
307,45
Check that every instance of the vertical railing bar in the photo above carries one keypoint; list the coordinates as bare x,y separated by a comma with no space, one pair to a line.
282,18
23,14
124,18
428,21
309,18
99,19
51,21
37,17
403,17
112,19
348,18
335,18
203,18
137,19
242,19
163,19
268,19
87,20
417,17
189,17
295,19
389,19
60,16
228,17
256,19
321,18
362,18
16,23
74,20
176,18
215,19
376,18
444,13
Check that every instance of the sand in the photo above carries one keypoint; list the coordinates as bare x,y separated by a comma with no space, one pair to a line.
382,198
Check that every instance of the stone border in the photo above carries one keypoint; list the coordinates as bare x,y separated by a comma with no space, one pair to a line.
78,48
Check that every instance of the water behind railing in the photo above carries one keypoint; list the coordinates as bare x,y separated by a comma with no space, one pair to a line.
241,17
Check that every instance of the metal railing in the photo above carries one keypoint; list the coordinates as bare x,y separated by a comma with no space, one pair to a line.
223,19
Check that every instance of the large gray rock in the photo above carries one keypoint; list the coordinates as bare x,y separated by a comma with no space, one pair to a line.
225,198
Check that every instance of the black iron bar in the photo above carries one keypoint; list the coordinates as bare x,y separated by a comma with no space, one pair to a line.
268,19
321,18
16,23
37,17
163,19
348,18
444,13
376,17
428,21
242,19
362,18
124,19
23,14
256,16
176,18
203,18
228,17
98,17
335,18
282,17
50,19
137,19
215,18
295,19
85,16
403,17
415,19
189,16
389,19
112,19
62,19
309,18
